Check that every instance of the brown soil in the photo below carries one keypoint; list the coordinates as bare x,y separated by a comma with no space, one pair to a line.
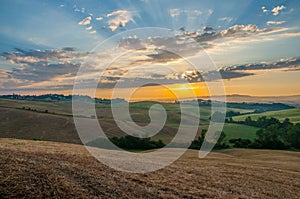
38,169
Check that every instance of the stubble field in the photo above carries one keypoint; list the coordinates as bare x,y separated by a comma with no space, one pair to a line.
38,169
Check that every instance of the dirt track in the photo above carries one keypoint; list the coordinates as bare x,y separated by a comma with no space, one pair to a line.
32,169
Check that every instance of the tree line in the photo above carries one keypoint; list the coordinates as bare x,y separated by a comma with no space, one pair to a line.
272,134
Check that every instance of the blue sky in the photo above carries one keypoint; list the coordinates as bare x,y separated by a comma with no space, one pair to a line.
54,24
241,32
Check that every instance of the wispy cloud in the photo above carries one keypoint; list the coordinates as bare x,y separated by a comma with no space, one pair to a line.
282,63
275,22
89,28
264,9
277,9
99,18
85,21
175,12
227,19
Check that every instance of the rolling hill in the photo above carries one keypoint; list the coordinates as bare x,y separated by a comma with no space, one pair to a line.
292,114
52,120
37,169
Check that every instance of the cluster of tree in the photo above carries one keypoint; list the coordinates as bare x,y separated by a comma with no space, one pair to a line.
132,142
135,143
223,117
256,107
283,135
241,143
259,107
35,110
220,144
45,97
272,135
261,122
232,113
59,97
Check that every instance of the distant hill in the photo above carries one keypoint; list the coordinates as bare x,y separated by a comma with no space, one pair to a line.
53,120
292,114
291,100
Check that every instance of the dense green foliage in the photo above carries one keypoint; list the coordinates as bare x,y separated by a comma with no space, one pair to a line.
136,143
132,142
221,144
240,143
261,122
259,107
283,135
272,135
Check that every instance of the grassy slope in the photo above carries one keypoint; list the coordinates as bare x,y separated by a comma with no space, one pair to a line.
30,169
239,131
58,124
293,114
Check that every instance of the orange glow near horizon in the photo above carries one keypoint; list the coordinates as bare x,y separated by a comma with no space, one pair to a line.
164,93
263,83
267,83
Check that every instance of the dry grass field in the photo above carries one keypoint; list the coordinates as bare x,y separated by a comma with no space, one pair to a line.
38,169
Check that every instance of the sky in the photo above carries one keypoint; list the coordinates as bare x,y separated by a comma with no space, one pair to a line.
251,47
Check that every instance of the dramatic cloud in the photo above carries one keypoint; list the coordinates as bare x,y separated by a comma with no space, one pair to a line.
240,71
189,43
192,76
163,56
242,31
150,54
37,72
282,63
215,75
275,22
119,18
45,68
36,56
208,35
85,21
38,66
277,9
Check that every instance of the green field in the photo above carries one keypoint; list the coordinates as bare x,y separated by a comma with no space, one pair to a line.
292,114
239,131
58,124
